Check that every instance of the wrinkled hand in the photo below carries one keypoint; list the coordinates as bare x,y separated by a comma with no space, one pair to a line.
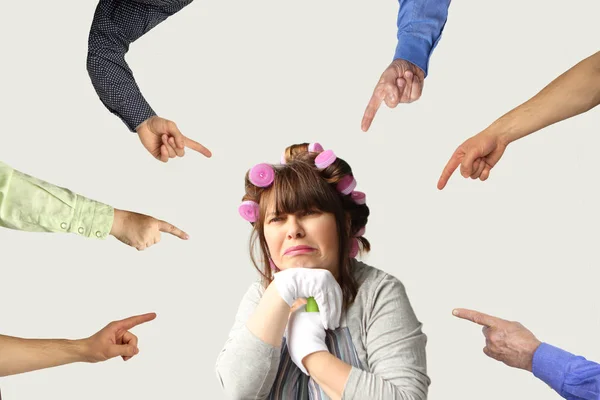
401,82
476,157
163,139
506,341
305,335
141,231
115,340
295,283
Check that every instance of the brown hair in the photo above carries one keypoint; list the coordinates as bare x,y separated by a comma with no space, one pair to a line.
300,186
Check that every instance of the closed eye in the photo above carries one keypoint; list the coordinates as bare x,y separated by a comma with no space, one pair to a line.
275,219
311,212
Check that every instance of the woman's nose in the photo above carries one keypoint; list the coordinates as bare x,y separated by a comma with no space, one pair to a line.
295,229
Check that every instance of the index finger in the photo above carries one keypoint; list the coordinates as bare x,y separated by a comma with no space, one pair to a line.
372,107
192,144
172,229
477,317
130,322
449,169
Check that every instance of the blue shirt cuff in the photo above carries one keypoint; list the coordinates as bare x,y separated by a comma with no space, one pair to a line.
549,365
413,49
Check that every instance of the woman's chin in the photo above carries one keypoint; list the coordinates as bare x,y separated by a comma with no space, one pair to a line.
303,264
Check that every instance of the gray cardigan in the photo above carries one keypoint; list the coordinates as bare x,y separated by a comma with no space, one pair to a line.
383,333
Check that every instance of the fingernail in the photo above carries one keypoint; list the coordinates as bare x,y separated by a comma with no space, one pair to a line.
187,237
454,312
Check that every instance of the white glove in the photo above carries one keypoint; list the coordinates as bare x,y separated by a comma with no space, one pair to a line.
294,283
305,335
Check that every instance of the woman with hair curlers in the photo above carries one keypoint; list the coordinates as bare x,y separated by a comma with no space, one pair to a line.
364,342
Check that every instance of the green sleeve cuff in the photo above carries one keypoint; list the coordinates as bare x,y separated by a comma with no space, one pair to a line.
91,218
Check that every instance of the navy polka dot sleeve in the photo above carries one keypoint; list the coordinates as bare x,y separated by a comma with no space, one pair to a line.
117,24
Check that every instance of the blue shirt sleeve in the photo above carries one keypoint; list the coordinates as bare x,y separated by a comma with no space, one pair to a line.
573,377
420,25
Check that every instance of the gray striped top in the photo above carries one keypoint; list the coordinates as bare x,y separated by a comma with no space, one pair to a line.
380,337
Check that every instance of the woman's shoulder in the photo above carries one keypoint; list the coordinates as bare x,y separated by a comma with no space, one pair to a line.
377,287
254,292
369,277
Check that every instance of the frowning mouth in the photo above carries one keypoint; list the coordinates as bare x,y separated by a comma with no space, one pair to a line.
296,250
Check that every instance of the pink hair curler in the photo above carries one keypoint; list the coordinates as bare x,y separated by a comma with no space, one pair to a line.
346,185
262,175
354,248
361,232
249,210
325,159
359,197
315,147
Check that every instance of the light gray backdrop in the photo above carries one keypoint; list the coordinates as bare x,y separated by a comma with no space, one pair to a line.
249,78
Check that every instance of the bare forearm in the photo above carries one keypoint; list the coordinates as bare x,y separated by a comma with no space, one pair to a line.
329,372
270,317
572,93
23,355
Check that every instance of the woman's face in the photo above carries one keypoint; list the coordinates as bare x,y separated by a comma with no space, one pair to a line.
303,240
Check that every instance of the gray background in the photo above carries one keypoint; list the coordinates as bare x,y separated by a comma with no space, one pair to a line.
249,78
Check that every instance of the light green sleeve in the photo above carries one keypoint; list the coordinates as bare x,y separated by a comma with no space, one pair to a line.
30,204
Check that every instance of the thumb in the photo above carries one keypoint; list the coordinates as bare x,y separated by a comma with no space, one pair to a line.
495,156
466,166
174,131
123,350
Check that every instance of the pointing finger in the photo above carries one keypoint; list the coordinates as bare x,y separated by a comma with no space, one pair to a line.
449,169
130,322
192,144
476,317
372,108
172,229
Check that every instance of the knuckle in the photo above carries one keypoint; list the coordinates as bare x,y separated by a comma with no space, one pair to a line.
388,86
